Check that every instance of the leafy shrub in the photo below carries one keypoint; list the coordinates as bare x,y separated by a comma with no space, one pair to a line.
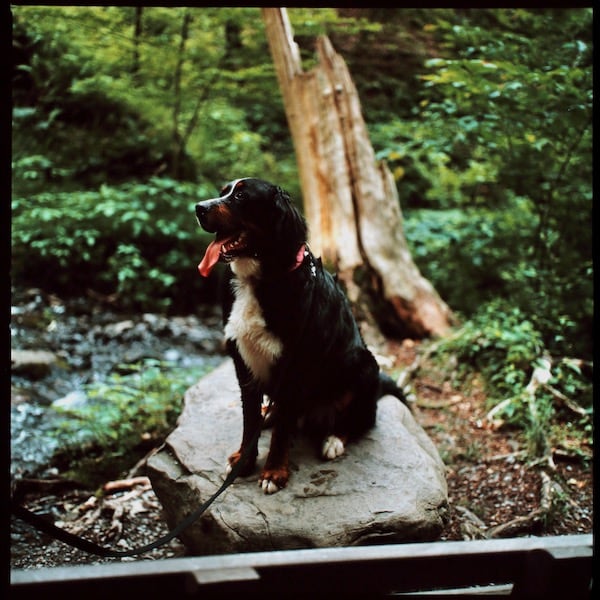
66,133
470,255
80,102
503,134
501,343
504,346
439,167
128,407
139,241
120,418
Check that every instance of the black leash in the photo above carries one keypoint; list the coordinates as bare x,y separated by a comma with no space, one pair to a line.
82,544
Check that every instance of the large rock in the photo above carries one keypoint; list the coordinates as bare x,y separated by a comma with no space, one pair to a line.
388,487
34,364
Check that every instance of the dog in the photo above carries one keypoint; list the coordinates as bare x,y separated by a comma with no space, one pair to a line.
289,328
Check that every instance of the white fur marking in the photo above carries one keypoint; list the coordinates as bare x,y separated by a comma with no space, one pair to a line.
246,326
246,267
268,486
332,447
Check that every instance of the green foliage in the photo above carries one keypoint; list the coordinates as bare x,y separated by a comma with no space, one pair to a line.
99,115
126,408
475,255
504,345
511,103
483,115
67,135
140,241
470,255
504,123
501,343
430,166
546,423
120,415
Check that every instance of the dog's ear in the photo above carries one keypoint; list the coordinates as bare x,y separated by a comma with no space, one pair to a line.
282,198
290,222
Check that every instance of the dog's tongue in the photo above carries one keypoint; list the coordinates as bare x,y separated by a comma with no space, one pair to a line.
211,258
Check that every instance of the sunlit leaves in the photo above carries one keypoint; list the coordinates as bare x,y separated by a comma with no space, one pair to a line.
136,240
506,115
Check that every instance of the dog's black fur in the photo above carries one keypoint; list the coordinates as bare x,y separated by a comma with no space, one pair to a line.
288,327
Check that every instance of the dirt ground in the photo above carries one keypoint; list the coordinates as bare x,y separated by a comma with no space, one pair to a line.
494,490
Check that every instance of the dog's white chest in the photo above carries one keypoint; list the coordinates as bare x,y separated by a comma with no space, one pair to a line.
246,326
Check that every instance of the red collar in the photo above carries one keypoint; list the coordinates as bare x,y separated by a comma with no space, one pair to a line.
302,252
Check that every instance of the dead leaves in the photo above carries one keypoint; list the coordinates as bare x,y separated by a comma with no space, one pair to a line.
109,514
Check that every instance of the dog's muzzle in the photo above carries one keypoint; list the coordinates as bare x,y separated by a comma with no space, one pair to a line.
204,210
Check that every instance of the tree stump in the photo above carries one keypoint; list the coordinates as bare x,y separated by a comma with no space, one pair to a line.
350,199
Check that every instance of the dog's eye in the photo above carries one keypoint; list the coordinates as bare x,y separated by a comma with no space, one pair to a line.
239,195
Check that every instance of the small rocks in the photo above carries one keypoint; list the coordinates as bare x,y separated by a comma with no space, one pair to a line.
60,346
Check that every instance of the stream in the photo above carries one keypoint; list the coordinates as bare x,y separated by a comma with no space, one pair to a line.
81,341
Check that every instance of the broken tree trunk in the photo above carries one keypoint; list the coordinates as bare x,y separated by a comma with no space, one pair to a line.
350,199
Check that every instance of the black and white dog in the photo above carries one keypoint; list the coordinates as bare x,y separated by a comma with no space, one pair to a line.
289,329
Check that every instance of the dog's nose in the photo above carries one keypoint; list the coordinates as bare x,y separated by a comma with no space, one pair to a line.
200,211
203,214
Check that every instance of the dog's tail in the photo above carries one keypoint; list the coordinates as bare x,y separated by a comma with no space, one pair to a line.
387,386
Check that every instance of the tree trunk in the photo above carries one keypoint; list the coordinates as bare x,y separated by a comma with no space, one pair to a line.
350,200
137,33
177,142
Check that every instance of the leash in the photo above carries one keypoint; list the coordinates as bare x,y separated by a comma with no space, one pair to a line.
87,546
92,548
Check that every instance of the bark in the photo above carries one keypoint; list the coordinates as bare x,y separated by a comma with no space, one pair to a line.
350,199
137,33
178,147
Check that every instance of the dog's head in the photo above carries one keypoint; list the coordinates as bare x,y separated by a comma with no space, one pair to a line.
251,218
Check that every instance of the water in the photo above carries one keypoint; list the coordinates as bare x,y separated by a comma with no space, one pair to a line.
89,342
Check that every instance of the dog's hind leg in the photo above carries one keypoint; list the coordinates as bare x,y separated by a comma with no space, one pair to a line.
333,446
355,409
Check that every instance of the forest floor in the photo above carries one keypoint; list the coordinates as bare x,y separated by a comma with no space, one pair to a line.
494,487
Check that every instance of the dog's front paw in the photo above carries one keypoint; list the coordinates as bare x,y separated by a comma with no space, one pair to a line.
333,447
272,480
235,458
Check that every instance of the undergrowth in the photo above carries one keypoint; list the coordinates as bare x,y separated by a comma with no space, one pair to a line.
548,397
120,419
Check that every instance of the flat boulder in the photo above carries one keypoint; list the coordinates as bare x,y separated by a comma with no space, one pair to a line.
389,487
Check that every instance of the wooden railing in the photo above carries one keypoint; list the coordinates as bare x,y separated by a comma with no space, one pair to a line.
535,567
